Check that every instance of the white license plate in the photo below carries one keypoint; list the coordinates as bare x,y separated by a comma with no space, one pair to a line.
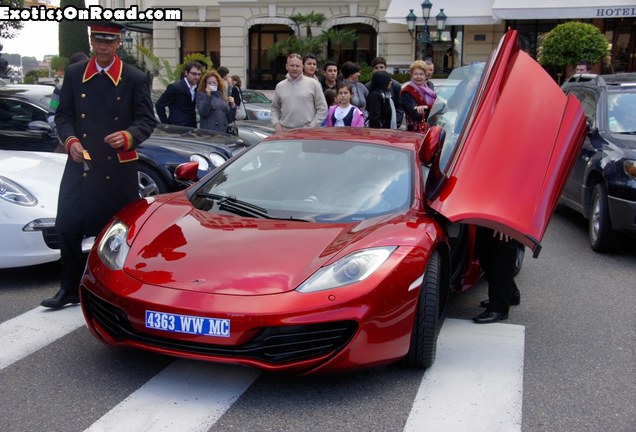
188,324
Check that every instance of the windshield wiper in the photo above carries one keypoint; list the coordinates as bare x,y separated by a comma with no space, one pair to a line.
627,133
235,205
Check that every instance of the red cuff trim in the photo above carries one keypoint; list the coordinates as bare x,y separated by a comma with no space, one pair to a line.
69,142
128,140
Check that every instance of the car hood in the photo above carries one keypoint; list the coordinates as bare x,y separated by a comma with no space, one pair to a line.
258,256
515,152
38,172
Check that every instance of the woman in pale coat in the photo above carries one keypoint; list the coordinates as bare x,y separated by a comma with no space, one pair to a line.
216,111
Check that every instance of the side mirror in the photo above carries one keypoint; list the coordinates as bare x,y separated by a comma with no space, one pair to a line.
187,172
40,126
438,107
433,142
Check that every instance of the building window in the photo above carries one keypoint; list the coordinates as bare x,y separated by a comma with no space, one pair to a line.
202,40
265,72
361,50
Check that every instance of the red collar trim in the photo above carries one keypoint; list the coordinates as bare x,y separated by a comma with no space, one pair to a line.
114,73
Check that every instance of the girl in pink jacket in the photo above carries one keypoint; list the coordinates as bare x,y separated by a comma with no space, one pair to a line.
343,113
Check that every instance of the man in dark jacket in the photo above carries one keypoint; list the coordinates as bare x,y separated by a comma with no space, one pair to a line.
379,64
105,112
179,98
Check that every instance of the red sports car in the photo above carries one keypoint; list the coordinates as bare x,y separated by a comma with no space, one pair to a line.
334,249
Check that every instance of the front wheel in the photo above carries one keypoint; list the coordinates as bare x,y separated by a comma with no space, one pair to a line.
150,182
426,327
601,235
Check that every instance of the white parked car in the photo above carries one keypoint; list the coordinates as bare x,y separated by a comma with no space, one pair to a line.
29,185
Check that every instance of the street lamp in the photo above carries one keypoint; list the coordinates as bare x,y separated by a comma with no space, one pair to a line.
128,42
411,18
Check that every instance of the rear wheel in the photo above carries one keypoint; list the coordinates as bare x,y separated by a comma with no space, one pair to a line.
150,182
426,327
601,235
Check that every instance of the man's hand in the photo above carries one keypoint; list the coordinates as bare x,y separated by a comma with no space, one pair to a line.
76,152
116,140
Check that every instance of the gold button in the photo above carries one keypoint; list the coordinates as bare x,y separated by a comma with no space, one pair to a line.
118,98
85,174
108,158
83,95
84,136
116,118
107,177
83,115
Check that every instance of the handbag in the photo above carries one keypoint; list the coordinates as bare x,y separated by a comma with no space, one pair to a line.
240,111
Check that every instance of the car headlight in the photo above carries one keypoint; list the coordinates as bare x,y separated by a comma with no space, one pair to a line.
353,268
203,162
630,168
216,159
12,192
263,115
113,248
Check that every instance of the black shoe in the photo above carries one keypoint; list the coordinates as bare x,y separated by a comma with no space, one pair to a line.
488,317
514,301
61,299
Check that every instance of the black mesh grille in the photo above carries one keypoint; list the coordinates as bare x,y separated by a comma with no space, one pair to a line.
272,344
51,238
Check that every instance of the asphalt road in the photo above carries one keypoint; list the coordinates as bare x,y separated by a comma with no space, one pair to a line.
576,321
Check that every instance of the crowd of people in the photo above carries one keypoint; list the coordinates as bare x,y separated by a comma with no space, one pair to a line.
308,96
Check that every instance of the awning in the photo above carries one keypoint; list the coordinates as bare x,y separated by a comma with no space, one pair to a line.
459,12
563,9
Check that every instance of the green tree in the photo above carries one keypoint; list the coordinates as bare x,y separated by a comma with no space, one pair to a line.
9,29
73,35
162,70
572,42
308,20
58,63
309,43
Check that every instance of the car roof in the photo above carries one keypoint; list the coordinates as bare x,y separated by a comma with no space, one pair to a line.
618,81
395,138
35,93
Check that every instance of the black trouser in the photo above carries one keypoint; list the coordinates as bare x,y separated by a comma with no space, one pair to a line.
497,258
73,261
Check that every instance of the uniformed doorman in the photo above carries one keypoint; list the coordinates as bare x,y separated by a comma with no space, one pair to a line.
105,112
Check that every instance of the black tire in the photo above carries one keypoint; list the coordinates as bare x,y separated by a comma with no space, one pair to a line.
427,323
601,235
150,182
521,252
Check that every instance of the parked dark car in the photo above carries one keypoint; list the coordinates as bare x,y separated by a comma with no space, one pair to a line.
23,126
602,185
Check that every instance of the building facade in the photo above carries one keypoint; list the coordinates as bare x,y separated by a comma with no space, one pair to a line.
239,34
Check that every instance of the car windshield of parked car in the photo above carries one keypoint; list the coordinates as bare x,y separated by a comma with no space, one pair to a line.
255,97
314,180
622,112
455,105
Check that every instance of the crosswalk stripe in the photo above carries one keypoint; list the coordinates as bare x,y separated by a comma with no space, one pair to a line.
187,396
476,382
27,333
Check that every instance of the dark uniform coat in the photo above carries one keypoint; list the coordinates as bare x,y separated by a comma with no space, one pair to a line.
92,106
180,103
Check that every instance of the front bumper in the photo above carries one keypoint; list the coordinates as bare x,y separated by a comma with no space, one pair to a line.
623,214
327,331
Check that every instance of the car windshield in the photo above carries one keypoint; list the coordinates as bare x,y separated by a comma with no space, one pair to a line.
453,106
255,97
621,112
314,180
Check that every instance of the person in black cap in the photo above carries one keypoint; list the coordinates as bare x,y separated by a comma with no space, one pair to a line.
105,112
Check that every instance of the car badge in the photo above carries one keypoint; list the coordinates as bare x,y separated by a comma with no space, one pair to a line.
198,281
